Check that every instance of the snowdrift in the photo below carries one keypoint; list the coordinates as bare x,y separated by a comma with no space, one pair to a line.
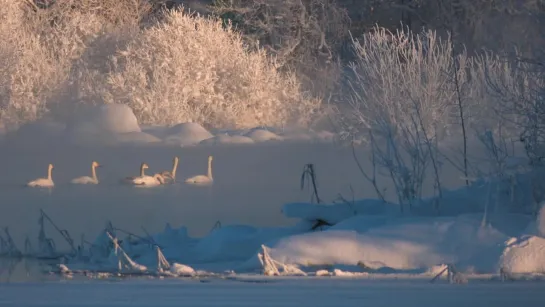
116,125
187,134
398,243
365,244
524,255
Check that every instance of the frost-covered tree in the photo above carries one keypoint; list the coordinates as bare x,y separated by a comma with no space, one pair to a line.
302,35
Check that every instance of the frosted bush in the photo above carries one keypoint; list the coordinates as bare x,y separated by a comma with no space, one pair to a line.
396,76
173,69
26,72
193,69
38,50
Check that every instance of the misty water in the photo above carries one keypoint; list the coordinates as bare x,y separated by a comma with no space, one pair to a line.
252,183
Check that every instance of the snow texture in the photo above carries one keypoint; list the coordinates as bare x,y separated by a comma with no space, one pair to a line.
524,255
227,139
267,225
262,135
186,134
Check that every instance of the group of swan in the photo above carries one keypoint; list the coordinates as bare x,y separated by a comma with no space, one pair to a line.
143,179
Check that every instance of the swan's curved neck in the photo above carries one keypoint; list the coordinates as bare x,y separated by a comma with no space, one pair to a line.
174,167
142,170
94,172
49,173
210,168
159,178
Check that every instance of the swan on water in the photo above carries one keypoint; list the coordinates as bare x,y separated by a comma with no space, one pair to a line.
147,180
86,179
44,182
203,179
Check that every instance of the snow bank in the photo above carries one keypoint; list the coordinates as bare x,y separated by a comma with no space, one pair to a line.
398,243
182,270
109,118
313,136
227,139
262,135
349,247
186,134
109,124
524,255
134,138
237,242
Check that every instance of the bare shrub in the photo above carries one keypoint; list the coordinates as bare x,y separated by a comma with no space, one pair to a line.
189,68
520,91
397,74
407,91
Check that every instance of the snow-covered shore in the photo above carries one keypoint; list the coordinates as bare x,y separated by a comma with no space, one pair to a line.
257,171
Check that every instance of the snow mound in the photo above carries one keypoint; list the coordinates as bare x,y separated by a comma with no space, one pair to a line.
262,135
227,243
397,243
297,136
524,255
181,270
108,118
308,136
351,248
238,242
108,124
187,134
325,136
135,138
341,273
227,139
110,139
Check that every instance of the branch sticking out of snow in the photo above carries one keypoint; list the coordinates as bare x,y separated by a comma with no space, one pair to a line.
271,266
124,262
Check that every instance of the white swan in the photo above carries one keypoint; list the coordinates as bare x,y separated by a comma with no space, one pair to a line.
130,179
44,182
203,179
171,174
144,179
86,179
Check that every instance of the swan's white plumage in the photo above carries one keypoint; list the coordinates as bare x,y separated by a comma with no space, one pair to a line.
148,180
44,182
199,179
203,179
86,179
144,179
